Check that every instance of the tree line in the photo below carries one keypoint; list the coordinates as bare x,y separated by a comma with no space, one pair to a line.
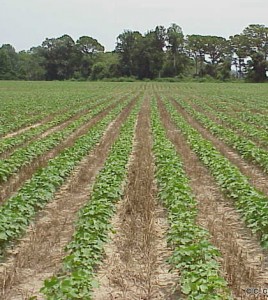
159,53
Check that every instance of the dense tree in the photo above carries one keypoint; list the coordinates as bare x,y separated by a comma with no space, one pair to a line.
141,56
208,53
257,42
152,53
218,54
175,50
87,48
30,65
128,48
159,52
256,69
240,48
217,48
257,38
59,54
106,66
196,47
8,62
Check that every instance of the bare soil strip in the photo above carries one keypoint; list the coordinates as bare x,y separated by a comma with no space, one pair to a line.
134,266
39,254
239,132
255,175
15,182
244,262
233,109
49,131
23,129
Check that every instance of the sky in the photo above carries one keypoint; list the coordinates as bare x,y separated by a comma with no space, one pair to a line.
27,23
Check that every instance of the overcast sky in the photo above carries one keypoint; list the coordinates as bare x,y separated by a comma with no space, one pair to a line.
26,23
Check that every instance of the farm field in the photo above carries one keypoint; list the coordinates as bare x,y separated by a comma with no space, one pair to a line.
139,190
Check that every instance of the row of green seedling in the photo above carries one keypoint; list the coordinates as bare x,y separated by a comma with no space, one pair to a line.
10,142
193,255
7,143
76,279
260,120
20,209
246,148
22,110
255,119
13,125
249,130
251,203
23,156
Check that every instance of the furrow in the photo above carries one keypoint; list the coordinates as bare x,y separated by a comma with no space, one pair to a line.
10,187
243,258
134,265
39,254
9,145
255,174
18,212
75,279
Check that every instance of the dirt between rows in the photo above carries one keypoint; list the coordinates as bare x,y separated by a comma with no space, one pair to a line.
25,128
244,263
10,187
233,109
255,174
49,131
238,131
39,254
135,258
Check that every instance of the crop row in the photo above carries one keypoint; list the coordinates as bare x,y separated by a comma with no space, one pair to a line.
239,106
23,156
230,107
10,142
255,119
258,134
245,147
235,97
20,209
76,280
27,103
193,255
251,203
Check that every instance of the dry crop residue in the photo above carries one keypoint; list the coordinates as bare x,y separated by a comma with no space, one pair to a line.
16,181
255,174
243,260
39,254
134,266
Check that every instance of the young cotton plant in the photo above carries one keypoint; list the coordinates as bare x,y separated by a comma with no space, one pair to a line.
25,155
20,209
251,203
245,147
86,248
193,255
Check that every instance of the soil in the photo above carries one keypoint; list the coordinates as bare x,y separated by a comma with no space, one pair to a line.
10,187
254,173
39,254
135,258
244,262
